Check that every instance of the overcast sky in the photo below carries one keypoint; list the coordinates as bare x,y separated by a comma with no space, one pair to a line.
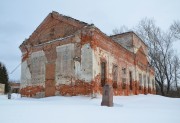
19,18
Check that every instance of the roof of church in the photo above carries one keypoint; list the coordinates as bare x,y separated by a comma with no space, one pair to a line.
56,15
126,33
68,17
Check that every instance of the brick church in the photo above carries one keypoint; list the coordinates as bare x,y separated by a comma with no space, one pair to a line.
65,56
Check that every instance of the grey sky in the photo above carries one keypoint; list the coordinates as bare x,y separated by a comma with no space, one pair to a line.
19,18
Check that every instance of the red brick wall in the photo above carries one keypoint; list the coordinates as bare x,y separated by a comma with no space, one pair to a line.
121,56
55,26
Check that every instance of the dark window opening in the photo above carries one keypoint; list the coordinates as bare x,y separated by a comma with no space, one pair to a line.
103,73
144,78
153,84
140,81
148,84
115,75
123,83
130,79
124,70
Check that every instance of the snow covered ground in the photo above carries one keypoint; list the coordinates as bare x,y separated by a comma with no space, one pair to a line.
81,109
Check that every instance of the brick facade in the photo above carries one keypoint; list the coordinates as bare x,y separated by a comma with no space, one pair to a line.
64,56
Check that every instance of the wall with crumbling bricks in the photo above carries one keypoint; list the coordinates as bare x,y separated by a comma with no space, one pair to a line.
33,75
63,57
76,68
64,64
113,54
73,72
54,62
61,67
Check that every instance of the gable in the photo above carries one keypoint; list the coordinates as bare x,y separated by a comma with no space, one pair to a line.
138,42
130,41
125,40
54,26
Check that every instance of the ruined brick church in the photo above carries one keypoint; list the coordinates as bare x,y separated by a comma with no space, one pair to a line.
65,56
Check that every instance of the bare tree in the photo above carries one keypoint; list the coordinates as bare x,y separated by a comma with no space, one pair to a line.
161,53
122,29
176,69
175,28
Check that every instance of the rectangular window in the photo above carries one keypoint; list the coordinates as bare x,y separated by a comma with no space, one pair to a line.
130,79
140,81
103,73
148,84
124,70
153,84
144,78
115,75
123,83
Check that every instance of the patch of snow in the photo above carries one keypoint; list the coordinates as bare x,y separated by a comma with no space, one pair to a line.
15,96
82,109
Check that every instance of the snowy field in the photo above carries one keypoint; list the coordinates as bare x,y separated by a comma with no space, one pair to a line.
81,109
